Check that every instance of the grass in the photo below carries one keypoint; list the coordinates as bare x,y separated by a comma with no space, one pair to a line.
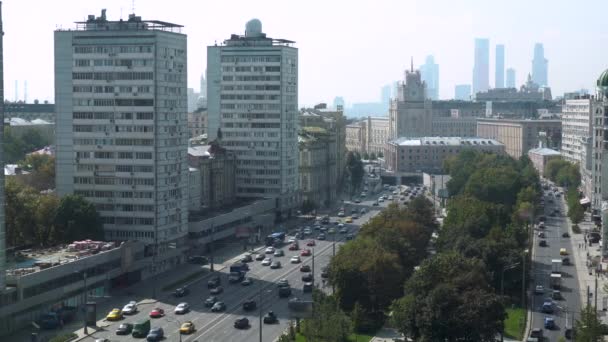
184,280
351,338
64,338
515,323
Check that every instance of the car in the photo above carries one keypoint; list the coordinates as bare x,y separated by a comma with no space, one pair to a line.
556,295
311,243
539,290
307,287
187,328
155,334
341,214
260,257
325,273
124,329
214,282
114,315
157,312
216,290
390,198
536,333
305,268
270,318
247,281
542,243
349,220
343,231
565,235
307,277
565,261
549,323
181,308
321,237
355,216
267,262
284,291
218,306
307,231
209,302
547,307
357,200
102,340
249,305
331,230
541,235
269,250
275,264
298,235
362,211
294,247
291,239
241,323
279,253
306,252
283,282
349,236
247,258
563,251
130,308
181,292
375,204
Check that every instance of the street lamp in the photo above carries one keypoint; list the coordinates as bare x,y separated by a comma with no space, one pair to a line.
502,277
179,325
84,276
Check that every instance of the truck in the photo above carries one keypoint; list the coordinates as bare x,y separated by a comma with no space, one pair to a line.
556,266
237,272
141,329
556,280
57,318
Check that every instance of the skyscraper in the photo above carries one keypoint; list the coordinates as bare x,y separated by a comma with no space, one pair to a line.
539,66
252,82
385,95
499,77
338,101
2,223
511,82
122,134
481,68
462,92
430,74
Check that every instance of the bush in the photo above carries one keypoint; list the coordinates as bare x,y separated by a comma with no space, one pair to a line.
576,229
64,338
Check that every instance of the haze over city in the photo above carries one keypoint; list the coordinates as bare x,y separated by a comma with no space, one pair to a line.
348,49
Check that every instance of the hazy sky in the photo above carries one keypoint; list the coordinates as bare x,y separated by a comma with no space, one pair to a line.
347,47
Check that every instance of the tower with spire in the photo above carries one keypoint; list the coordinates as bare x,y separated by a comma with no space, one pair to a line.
410,113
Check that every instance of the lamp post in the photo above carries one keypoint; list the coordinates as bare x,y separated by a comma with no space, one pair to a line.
84,278
179,325
502,277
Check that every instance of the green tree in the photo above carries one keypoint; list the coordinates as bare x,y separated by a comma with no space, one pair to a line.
42,171
308,206
589,326
380,154
16,147
20,209
354,169
373,156
365,156
329,323
76,219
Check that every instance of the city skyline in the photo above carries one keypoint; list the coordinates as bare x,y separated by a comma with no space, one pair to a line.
327,62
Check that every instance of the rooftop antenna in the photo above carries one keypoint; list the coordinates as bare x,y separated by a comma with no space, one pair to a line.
412,64
133,6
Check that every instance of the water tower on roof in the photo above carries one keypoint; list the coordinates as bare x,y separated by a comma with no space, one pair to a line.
253,28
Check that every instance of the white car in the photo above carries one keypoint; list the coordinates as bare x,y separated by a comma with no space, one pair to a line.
295,259
267,262
307,231
380,199
270,250
292,239
539,289
130,308
181,308
340,225
331,230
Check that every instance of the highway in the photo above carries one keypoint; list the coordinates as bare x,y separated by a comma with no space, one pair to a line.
212,326
569,305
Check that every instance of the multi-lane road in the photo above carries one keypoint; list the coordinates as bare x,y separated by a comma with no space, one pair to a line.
212,326
569,305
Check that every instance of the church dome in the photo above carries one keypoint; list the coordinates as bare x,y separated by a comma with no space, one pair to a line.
602,81
253,28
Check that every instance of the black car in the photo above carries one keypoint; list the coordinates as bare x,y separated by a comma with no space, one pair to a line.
284,291
307,287
210,301
270,318
198,259
307,277
241,323
249,305
247,258
181,292
124,329
542,243
565,235
305,268
214,282
565,261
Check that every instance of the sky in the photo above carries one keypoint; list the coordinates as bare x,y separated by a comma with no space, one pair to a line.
348,48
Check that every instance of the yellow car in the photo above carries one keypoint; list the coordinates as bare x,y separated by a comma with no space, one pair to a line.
187,328
349,220
114,315
562,251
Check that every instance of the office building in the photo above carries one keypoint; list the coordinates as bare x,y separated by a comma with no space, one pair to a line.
368,135
499,76
541,156
539,66
511,81
197,123
2,220
518,136
252,87
410,112
600,158
429,72
318,172
481,67
122,133
576,128
338,102
462,92
528,92
202,101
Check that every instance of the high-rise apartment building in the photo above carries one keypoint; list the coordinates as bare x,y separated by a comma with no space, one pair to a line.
481,67
499,76
511,82
539,66
252,85
429,72
462,92
576,129
122,134
2,223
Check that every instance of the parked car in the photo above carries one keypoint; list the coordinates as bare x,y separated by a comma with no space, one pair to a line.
275,264
247,258
321,236
536,333
307,287
241,323
270,318
124,329
549,323
114,315
307,277
155,334
565,235
566,261
542,243
539,290
130,308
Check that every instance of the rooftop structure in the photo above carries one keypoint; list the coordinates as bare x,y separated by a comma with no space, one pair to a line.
134,22
446,141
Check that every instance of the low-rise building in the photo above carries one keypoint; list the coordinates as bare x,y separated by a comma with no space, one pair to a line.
318,172
518,136
541,156
18,127
217,169
413,156
197,122
30,111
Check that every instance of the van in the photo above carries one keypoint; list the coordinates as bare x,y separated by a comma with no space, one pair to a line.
141,329
562,251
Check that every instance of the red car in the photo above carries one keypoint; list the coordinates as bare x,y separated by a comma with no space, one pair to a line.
157,312
294,247
305,252
311,243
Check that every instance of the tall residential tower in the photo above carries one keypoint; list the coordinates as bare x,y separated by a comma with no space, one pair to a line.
252,87
539,66
511,82
481,68
499,76
121,129
429,72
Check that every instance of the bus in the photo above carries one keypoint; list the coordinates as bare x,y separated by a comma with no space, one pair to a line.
274,238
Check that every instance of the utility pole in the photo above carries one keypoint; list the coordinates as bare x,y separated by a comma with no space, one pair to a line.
523,280
260,313
85,301
588,298
595,294
211,248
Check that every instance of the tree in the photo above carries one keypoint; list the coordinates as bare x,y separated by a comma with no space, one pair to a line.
329,323
15,147
42,171
380,154
76,219
373,156
365,156
589,327
308,206
354,168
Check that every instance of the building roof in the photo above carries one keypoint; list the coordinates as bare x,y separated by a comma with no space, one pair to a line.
544,151
23,122
13,170
602,81
199,151
446,141
47,150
